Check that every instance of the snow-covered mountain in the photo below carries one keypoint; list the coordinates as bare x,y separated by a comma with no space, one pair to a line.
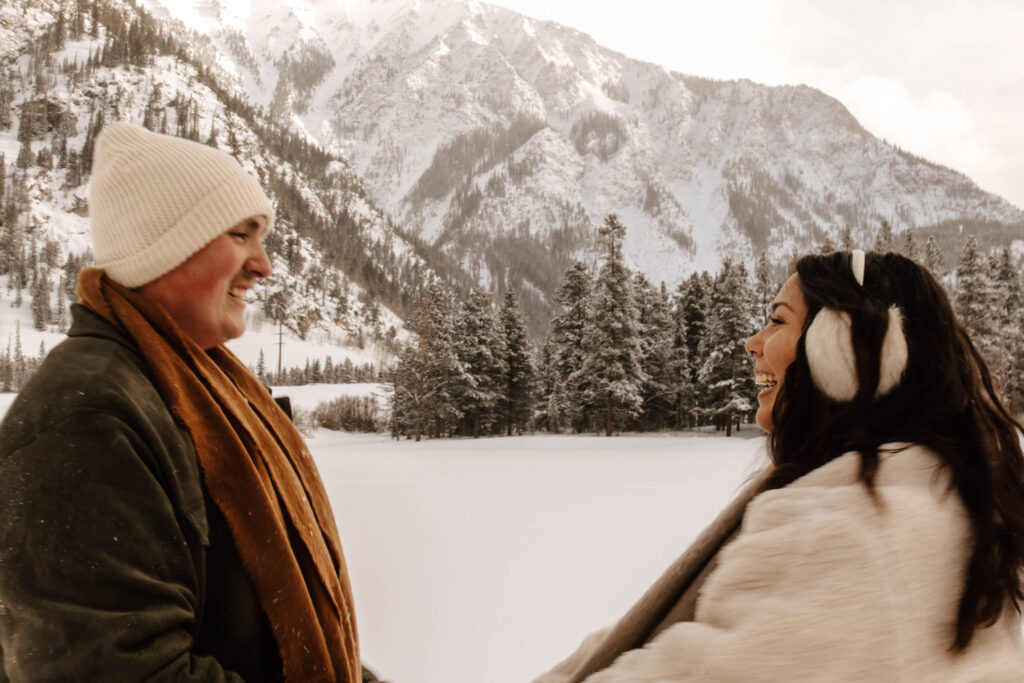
505,140
343,273
404,138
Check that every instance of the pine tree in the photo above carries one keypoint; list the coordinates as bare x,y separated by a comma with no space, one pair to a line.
612,376
933,259
516,403
261,368
692,302
846,238
657,342
884,240
18,361
681,362
7,370
553,407
41,303
908,245
1014,382
429,371
726,376
564,400
764,287
6,98
62,305
413,392
481,349
1006,302
973,297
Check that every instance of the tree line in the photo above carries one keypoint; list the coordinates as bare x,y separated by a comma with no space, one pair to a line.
621,354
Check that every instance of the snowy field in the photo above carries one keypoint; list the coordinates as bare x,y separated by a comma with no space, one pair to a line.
309,396
490,559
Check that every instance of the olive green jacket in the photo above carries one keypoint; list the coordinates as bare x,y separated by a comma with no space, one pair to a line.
114,566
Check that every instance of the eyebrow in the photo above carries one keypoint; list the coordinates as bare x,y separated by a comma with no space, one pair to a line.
781,303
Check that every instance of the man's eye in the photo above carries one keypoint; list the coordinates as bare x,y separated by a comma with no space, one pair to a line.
240,235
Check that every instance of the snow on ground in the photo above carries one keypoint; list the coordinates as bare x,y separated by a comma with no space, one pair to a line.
489,560
262,336
15,320
305,397
309,396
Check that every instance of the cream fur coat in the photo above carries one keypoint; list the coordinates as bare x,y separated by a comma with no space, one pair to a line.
823,584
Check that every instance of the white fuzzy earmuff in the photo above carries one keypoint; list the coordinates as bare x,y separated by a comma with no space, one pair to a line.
828,344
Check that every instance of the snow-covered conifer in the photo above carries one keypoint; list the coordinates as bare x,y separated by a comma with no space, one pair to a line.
41,312
907,245
885,241
933,259
764,287
480,344
517,400
566,354
846,238
1004,273
261,367
974,295
612,376
657,341
692,300
726,375
429,370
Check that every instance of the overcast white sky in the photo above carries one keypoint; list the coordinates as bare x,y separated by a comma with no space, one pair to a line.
943,79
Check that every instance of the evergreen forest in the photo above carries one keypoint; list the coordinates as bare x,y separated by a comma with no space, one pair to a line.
622,354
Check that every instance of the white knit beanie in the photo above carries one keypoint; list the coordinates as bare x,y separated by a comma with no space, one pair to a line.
154,200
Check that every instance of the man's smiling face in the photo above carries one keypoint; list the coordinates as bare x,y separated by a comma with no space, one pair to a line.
205,295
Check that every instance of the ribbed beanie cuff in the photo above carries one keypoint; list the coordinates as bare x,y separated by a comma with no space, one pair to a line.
155,200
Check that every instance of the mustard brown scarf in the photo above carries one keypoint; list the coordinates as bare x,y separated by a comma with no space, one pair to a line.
262,478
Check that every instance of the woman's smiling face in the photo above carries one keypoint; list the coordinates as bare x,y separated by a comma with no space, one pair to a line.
774,347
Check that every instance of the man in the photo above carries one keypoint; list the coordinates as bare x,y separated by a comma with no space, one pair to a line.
160,518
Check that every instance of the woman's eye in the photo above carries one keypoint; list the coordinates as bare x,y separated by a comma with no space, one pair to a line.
775,321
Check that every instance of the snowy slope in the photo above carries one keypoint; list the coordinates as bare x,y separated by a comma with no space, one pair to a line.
327,311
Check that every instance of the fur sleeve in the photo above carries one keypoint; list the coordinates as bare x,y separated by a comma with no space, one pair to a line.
801,594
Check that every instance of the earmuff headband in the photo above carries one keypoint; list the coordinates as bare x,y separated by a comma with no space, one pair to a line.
857,265
828,344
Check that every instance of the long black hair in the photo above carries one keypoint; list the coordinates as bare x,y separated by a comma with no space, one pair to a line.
945,401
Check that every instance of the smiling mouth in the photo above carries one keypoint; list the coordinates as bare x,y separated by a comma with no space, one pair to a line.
763,379
238,293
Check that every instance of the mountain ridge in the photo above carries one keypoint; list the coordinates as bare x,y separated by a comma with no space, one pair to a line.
697,169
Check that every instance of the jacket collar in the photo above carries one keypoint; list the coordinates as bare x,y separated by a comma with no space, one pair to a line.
85,323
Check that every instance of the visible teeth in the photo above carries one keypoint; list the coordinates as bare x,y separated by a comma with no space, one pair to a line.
237,292
765,380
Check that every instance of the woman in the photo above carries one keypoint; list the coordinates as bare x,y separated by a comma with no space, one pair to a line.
885,542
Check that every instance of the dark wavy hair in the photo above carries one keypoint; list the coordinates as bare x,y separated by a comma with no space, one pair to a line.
945,401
